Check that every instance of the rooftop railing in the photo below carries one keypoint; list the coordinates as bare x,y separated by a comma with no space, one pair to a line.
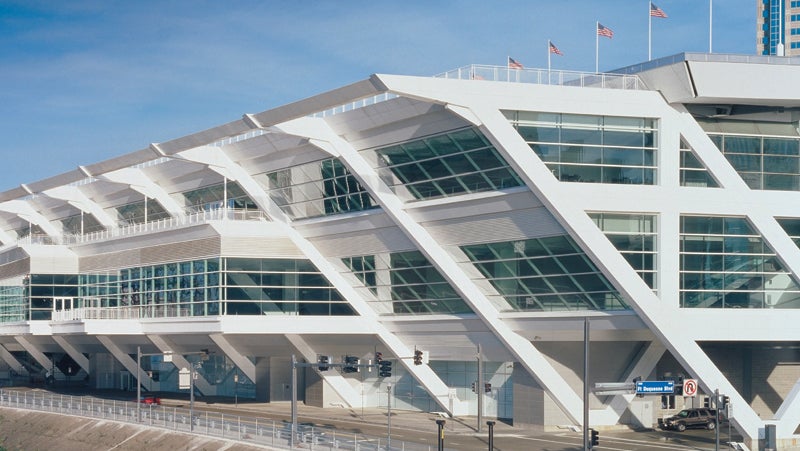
546,77
710,57
191,218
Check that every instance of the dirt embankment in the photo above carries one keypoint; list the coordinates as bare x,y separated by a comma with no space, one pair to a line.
23,430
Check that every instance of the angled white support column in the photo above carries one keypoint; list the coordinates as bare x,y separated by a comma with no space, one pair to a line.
221,163
37,355
533,360
643,366
138,181
332,378
787,415
26,212
180,361
663,318
218,161
75,197
12,361
77,356
239,359
126,360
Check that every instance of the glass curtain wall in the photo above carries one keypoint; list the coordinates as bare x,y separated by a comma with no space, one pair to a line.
14,305
693,172
763,162
634,236
448,164
591,149
134,213
210,287
543,274
725,263
81,223
214,197
406,283
319,188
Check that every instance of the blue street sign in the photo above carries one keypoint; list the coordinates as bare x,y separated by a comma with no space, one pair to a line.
655,387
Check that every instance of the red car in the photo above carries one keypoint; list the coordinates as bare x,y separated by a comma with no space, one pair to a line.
150,400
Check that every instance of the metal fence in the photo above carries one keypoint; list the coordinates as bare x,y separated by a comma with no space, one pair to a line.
258,431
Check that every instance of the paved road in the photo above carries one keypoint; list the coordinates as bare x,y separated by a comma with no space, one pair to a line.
460,433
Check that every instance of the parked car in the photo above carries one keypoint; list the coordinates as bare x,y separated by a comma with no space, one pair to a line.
700,417
150,400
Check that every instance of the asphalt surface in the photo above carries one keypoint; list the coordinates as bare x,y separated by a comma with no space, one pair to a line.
420,427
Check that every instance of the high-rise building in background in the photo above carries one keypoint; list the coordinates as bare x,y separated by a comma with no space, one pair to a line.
778,30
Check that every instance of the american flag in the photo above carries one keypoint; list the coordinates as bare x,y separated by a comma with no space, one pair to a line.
514,64
655,11
604,31
554,49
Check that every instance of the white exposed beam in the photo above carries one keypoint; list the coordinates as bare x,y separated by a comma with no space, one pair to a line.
75,197
37,354
239,359
76,355
164,345
12,361
424,374
332,378
138,181
26,212
126,360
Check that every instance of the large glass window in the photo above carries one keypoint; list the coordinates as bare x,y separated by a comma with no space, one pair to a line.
14,304
726,264
763,162
545,274
140,212
210,287
81,223
693,172
320,188
406,283
635,238
591,149
214,197
445,165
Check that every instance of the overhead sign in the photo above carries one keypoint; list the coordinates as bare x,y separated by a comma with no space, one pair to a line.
655,387
689,387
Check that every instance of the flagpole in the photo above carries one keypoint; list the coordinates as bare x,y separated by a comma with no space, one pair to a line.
548,61
649,31
710,23
596,48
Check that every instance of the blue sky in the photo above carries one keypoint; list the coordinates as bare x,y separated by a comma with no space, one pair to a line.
85,81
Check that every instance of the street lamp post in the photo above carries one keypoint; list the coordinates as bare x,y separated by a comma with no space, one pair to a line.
138,385
389,416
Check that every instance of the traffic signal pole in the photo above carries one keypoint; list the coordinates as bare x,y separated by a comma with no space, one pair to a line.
480,389
586,444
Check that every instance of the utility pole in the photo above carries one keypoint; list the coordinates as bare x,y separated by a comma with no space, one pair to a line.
138,385
389,416
479,389
716,419
294,400
586,444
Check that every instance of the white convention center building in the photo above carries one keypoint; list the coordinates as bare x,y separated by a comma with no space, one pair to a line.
477,219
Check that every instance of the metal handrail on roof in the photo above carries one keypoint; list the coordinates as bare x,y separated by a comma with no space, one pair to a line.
546,77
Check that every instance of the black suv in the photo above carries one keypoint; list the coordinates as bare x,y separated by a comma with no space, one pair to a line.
690,418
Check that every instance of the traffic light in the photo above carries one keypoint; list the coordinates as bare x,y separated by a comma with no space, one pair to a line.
385,368
487,387
417,357
725,401
594,438
474,387
679,387
323,362
378,358
351,364
706,402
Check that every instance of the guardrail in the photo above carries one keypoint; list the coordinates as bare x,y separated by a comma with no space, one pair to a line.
259,431
546,77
